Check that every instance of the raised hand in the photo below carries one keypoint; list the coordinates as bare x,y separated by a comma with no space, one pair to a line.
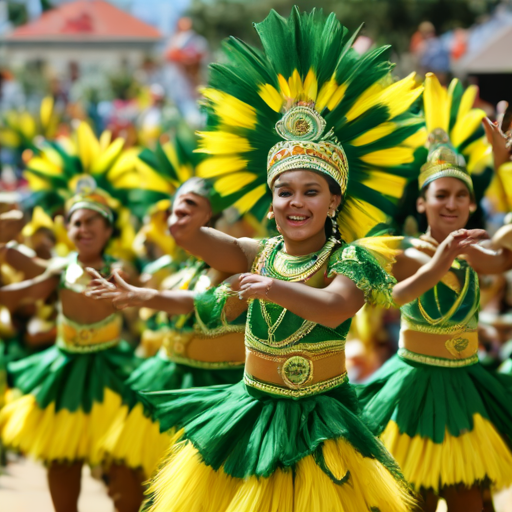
501,147
456,244
122,294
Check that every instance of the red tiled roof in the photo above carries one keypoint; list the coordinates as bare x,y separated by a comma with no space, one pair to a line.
83,20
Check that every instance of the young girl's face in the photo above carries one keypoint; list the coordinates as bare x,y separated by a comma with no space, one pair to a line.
89,231
301,203
447,205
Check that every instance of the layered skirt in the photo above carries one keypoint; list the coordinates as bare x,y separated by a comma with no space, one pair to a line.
134,438
444,426
239,449
67,400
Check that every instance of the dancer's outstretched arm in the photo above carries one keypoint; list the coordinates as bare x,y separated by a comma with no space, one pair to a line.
222,252
124,295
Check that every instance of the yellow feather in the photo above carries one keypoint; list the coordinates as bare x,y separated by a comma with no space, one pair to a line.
416,140
27,125
283,85
46,110
231,110
170,152
337,96
367,100
184,172
386,183
295,84
35,183
105,140
271,97
311,85
357,218
249,200
466,126
390,157
126,162
472,456
9,138
88,145
233,182
44,165
478,156
374,134
467,101
435,101
217,165
106,159
326,92
222,143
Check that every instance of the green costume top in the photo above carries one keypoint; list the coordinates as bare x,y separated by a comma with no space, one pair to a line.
308,357
202,339
440,326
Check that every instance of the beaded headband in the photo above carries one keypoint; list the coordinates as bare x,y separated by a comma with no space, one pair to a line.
88,197
305,148
443,162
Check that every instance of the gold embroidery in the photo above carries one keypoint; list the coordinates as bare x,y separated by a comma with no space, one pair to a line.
320,387
436,361
297,371
456,345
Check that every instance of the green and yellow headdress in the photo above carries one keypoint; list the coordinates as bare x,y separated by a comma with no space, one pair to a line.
308,100
89,197
456,142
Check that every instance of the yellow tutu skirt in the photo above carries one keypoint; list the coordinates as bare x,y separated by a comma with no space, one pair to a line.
58,436
136,441
435,465
185,483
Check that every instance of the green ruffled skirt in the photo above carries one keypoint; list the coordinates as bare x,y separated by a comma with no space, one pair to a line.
444,426
240,449
134,438
68,401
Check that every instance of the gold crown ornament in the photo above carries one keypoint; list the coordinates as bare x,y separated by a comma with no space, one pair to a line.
303,147
89,197
443,161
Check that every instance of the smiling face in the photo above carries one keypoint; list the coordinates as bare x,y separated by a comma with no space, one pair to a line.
301,203
447,204
89,231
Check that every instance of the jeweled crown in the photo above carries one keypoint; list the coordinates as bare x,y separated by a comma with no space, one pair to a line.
443,161
306,147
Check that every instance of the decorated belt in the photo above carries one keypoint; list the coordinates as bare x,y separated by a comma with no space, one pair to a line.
295,375
84,338
455,347
218,351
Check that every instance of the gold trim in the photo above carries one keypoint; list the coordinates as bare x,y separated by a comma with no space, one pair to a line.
320,387
85,349
437,361
459,328
203,365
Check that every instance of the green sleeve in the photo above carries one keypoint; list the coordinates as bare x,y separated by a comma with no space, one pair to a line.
209,307
363,269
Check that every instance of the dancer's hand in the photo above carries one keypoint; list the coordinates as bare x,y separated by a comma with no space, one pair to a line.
499,142
254,286
116,289
456,244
